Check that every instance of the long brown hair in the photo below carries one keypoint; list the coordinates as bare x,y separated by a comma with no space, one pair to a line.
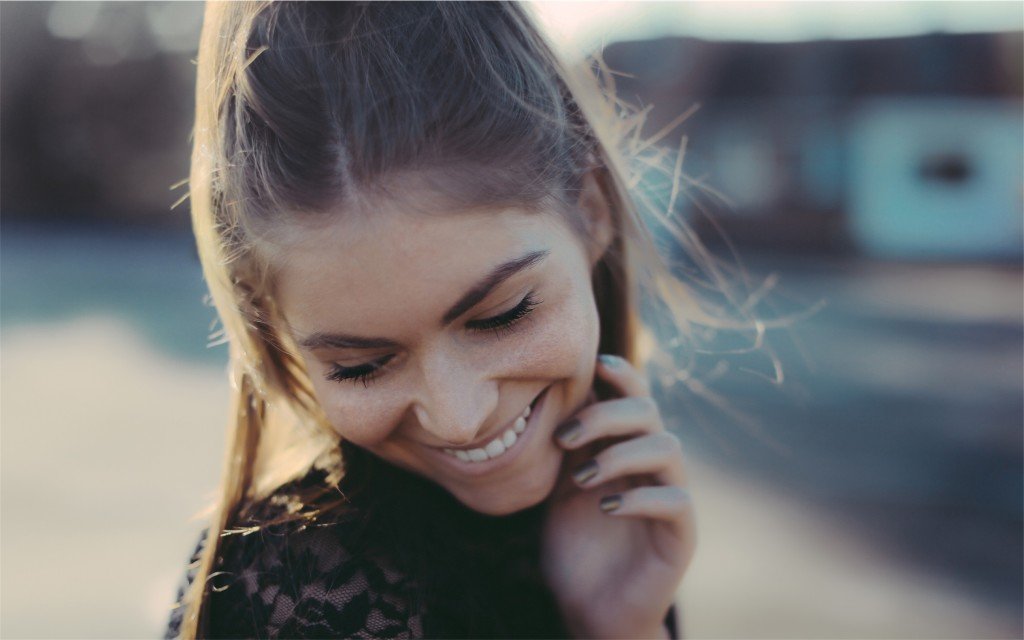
305,108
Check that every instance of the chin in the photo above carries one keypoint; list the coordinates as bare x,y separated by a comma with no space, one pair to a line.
506,501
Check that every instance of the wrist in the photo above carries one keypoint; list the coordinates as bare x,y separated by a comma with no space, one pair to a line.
582,626
661,633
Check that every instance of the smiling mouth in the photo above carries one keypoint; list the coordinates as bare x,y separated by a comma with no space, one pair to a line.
501,443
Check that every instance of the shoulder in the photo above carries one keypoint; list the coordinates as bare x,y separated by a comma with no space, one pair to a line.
305,578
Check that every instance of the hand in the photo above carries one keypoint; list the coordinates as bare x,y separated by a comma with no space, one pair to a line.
615,573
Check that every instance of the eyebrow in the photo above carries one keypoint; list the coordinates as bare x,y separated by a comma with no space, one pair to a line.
471,298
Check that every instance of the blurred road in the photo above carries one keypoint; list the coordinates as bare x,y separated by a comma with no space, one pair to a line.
901,415
877,493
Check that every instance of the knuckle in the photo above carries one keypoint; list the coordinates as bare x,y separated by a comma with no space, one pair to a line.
681,495
670,443
647,406
645,384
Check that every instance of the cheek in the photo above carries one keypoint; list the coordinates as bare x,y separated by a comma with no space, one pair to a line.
366,421
565,343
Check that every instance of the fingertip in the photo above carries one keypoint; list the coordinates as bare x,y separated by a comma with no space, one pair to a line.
611,504
627,379
569,433
611,361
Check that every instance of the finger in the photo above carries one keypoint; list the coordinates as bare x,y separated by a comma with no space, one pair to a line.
622,375
659,454
668,503
620,417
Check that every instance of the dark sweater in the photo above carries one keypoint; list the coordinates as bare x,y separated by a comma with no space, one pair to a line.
349,574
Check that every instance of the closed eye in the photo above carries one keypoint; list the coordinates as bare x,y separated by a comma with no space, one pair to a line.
504,323
364,372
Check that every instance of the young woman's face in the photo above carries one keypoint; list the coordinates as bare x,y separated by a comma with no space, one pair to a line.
428,337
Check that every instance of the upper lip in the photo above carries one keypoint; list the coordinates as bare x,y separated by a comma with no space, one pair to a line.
483,441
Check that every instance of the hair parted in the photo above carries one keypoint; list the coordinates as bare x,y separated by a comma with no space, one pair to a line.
310,110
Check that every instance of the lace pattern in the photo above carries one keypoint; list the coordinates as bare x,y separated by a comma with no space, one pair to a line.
294,581
347,575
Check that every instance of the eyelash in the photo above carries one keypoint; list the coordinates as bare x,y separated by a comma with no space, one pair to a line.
503,324
364,372
506,322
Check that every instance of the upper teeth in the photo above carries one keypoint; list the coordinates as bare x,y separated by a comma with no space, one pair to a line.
495,447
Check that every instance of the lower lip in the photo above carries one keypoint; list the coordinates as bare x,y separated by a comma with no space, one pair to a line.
485,467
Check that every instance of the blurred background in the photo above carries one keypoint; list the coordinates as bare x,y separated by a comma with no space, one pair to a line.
868,158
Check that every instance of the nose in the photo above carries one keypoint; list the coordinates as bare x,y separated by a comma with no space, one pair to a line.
455,400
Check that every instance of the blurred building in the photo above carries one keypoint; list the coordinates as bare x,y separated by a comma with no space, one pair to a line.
97,102
936,177
904,147
899,147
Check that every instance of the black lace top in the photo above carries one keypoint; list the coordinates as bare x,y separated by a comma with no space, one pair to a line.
349,574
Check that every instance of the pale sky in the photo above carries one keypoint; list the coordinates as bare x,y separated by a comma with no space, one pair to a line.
581,26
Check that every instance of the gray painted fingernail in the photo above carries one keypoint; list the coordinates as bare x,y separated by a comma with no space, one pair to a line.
610,361
569,431
611,503
585,472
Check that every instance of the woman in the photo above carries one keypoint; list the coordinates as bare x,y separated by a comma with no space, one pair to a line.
416,229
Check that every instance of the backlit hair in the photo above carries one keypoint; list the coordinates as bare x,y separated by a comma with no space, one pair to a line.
308,110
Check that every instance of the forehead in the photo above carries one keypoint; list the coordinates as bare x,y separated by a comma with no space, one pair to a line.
369,273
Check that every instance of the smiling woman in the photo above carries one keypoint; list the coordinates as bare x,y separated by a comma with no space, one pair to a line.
446,349
415,227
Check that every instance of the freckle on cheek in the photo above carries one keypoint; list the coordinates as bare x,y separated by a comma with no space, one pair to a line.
562,343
